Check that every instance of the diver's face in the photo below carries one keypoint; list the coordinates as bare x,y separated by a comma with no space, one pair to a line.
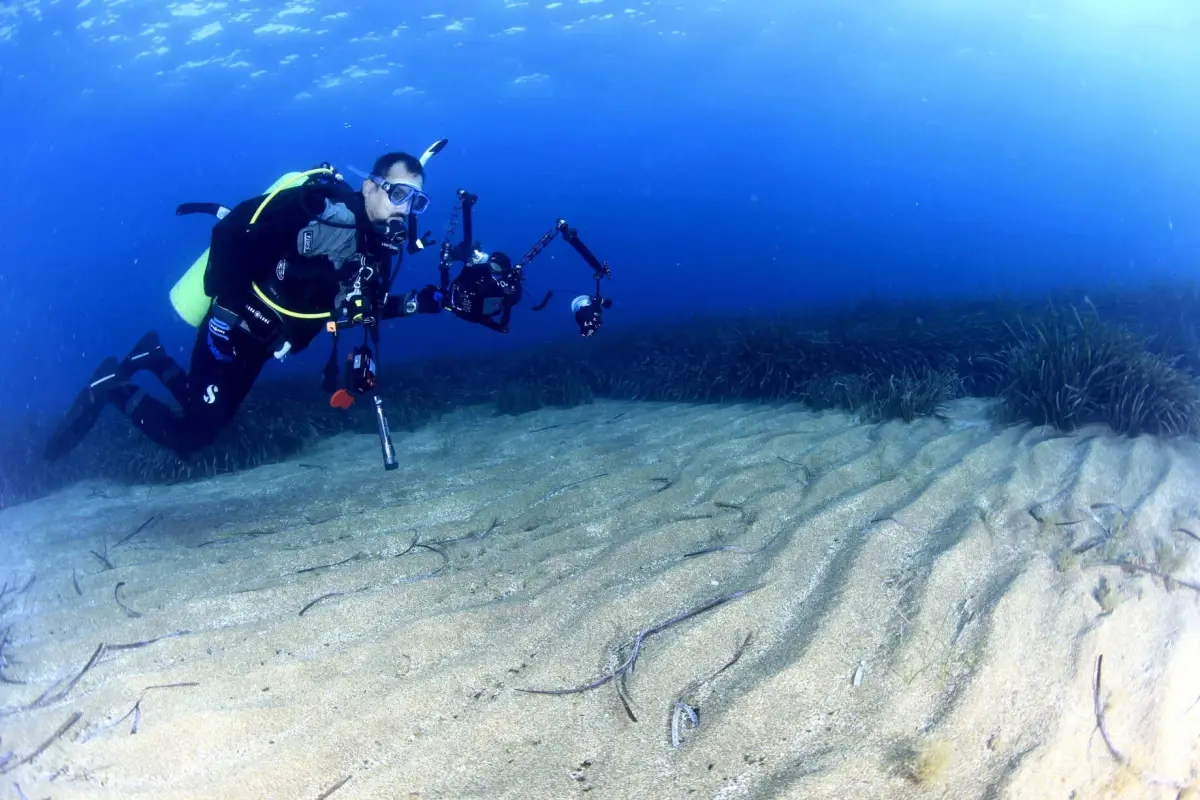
380,207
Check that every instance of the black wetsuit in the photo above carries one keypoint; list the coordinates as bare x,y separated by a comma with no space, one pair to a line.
302,254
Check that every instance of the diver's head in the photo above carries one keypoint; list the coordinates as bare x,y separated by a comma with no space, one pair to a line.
395,188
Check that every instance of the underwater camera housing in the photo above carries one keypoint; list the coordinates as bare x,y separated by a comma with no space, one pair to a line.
488,286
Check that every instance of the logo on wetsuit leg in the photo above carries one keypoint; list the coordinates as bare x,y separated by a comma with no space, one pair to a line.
210,394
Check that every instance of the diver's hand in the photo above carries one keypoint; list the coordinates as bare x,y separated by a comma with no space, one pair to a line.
430,300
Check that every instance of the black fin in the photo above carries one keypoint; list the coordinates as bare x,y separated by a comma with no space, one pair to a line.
84,411
141,354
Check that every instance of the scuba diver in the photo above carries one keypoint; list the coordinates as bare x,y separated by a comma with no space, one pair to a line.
311,254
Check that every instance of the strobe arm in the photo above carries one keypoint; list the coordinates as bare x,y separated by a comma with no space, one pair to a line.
464,251
589,310
467,246
600,268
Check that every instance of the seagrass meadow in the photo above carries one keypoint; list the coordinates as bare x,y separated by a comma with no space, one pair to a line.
1128,359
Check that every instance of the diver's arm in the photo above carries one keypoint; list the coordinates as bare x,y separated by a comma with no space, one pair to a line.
427,300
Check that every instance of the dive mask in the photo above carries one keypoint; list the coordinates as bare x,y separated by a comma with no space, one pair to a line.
399,193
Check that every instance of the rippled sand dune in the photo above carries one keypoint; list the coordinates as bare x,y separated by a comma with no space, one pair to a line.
932,601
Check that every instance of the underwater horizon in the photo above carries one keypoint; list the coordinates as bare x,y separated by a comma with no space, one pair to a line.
724,156
871,329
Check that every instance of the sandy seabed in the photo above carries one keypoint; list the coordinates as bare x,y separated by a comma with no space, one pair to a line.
932,602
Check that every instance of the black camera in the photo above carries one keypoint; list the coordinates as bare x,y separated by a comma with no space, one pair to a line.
485,291
489,286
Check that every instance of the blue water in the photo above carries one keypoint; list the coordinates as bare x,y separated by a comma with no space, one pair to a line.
723,155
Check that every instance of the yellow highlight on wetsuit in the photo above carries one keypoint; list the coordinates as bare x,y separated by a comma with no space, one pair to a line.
187,295
287,182
286,312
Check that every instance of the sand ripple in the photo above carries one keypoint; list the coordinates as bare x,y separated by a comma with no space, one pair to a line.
935,597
